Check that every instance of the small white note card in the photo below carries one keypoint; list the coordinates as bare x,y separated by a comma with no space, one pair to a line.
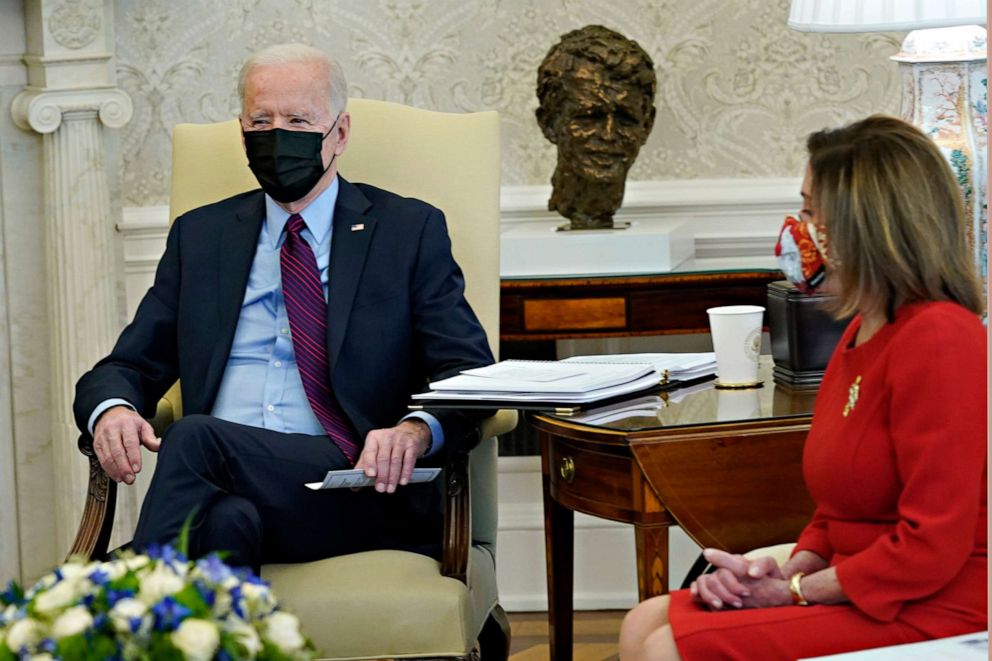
354,477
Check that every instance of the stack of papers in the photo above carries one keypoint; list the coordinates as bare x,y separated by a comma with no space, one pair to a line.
671,366
540,381
578,380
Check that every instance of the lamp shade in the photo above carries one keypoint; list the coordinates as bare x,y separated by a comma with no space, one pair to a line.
883,15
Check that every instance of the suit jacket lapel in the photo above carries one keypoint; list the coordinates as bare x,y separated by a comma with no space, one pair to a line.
235,254
349,248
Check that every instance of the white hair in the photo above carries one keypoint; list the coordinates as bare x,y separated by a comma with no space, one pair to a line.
294,54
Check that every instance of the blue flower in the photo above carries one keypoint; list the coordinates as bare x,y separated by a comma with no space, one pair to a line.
100,621
256,580
12,594
214,569
171,556
209,596
134,624
47,645
99,577
113,596
169,613
236,602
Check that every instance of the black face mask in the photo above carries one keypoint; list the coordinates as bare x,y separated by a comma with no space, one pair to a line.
286,163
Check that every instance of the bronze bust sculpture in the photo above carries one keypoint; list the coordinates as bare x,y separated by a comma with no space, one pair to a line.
596,92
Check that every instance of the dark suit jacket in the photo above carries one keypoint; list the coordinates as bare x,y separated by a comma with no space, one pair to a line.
396,312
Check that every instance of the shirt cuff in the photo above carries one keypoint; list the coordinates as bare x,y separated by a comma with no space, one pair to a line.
437,434
103,406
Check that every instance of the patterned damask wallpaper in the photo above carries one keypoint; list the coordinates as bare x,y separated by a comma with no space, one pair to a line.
738,90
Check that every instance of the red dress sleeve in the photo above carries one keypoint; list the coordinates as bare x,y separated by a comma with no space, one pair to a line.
937,425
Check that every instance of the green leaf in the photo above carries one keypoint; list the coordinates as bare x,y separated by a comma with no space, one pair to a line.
101,648
182,542
73,647
272,653
191,598
162,649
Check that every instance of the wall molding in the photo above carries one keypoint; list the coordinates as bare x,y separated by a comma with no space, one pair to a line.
675,196
730,217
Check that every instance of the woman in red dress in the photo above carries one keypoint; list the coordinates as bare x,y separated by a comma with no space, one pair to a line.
896,456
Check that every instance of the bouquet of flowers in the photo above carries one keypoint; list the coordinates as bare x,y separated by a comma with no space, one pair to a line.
153,606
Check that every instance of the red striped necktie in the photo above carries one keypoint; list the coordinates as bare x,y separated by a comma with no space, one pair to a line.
307,312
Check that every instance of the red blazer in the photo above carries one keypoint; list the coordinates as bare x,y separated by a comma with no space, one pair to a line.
896,462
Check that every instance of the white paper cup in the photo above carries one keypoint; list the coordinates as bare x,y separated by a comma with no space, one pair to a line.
736,331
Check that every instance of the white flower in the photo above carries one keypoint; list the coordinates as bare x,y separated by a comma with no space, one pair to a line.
257,599
62,594
25,633
283,629
197,639
115,569
136,562
72,570
245,634
222,603
158,583
75,620
42,657
43,583
125,612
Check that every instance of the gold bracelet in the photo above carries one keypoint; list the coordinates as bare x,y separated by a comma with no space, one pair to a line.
794,588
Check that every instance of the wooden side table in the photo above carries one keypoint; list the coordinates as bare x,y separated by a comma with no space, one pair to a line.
537,311
724,465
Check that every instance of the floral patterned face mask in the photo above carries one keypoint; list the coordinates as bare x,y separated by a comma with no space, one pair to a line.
801,250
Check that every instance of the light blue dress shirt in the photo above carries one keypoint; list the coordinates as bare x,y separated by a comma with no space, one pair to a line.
261,386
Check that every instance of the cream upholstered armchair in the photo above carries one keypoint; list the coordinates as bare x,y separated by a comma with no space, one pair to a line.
381,603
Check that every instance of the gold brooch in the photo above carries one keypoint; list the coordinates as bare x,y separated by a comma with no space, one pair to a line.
852,396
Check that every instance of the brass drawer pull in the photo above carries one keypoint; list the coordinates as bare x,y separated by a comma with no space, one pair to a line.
567,469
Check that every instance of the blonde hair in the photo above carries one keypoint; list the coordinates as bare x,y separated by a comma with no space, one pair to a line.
337,86
894,217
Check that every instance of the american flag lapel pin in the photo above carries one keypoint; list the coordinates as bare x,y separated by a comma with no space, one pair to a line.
358,227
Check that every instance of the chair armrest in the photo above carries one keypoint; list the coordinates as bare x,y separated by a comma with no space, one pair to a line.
93,535
165,415
457,519
458,504
497,424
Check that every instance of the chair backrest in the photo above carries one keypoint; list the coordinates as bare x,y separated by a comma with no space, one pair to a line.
449,160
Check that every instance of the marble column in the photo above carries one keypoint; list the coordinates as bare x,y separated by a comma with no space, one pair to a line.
71,99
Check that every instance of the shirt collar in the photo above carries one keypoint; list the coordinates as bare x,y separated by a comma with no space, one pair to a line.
318,215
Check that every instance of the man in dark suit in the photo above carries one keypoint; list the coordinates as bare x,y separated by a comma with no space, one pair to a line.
299,318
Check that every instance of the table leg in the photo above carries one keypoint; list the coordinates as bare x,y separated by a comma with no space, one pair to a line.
652,560
559,528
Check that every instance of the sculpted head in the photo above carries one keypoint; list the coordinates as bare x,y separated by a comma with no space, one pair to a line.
596,103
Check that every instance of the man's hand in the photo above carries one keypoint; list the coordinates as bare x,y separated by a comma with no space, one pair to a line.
390,454
117,440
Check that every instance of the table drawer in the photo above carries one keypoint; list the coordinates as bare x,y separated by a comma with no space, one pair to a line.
592,482
575,314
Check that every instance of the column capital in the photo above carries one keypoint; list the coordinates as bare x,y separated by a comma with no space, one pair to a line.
41,110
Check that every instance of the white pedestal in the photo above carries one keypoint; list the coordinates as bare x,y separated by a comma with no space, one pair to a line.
647,246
